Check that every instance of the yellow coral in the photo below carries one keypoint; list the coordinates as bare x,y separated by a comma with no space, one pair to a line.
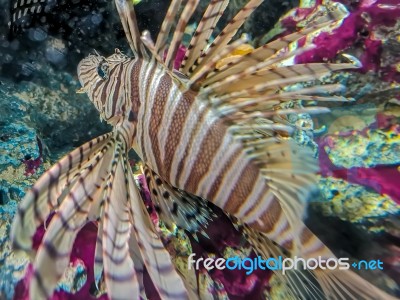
237,52
354,203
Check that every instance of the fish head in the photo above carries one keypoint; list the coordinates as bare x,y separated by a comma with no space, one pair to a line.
102,79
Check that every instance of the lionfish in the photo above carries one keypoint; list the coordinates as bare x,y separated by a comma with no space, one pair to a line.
204,134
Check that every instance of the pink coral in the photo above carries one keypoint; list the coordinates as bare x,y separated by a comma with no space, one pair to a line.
358,30
83,250
31,165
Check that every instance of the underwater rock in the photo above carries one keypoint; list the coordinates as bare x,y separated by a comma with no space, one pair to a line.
12,264
50,101
366,148
18,143
20,163
352,202
368,157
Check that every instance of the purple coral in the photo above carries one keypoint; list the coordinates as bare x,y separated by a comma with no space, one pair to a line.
83,250
359,30
383,179
31,165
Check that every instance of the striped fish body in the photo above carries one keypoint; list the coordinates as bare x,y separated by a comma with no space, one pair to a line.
188,144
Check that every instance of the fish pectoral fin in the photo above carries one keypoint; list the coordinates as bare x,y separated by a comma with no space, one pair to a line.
119,270
79,196
52,188
176,206
135,253
299,284
287,168
155,257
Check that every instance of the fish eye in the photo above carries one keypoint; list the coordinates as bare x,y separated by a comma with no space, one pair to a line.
102,70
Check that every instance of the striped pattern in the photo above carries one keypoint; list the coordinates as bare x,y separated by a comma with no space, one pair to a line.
119,273
43,197
185,143
179,31
227,33
155,257
310,290
177,207
166,26
100,78
23,10
200,141
128,19
203,33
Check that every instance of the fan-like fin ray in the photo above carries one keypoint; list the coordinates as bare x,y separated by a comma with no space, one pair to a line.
44,195
127,15
203,33
138,264
279,46
53,254
196,80
226,35
155,257
166,26
187,12
119,272
318,283
98,256
221,72
301,284
345,284
176,206
256,81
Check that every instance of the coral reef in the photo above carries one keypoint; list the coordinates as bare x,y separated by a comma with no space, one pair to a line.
368,157
369,33
12,265
352,202
366,148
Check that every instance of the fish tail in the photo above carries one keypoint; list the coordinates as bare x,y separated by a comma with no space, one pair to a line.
94,183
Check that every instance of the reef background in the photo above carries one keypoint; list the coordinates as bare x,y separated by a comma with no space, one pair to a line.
357,212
